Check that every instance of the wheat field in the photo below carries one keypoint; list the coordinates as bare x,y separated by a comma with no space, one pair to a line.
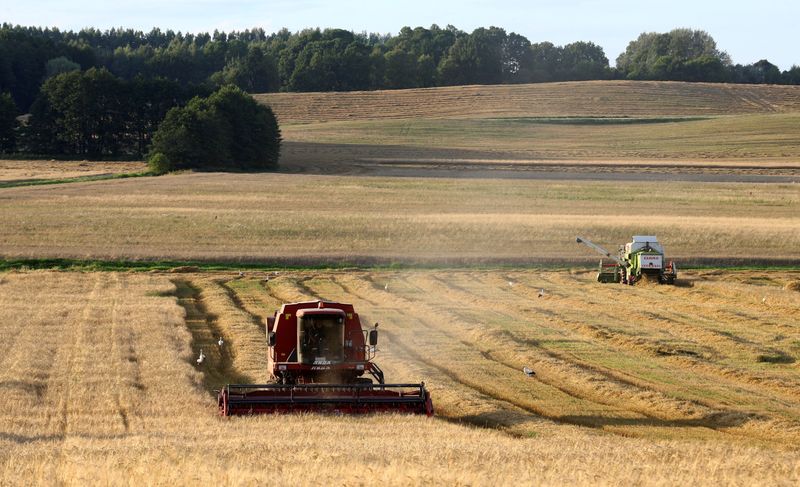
695,384
768,140
568,99
30,170
99,382
710,131
307,219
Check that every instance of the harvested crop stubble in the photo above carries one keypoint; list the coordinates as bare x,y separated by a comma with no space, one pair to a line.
572,99
100,385
474,333
27,170
326,219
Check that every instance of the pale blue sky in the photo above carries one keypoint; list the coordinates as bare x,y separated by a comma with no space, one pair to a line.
748,31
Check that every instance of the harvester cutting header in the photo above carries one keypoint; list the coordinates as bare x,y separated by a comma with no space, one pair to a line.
318,355
643,257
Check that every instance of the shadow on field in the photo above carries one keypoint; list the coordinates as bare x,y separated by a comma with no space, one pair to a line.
412,161
217,367
713,421
493,420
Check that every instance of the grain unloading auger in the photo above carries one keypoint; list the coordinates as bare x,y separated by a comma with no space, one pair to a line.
317,355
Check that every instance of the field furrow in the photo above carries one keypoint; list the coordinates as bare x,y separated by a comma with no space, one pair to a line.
731,386
499,373
456,367
100,383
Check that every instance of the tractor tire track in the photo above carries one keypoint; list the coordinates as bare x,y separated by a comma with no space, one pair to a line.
239,302
22,373
648,402
119,387
507,340
599,403
218,369
686,359
507,403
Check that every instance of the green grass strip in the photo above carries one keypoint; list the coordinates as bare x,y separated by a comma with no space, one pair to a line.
597,120
84,265
79,179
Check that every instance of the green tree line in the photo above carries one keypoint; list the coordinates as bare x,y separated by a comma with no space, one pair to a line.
99,93
340,60
95,114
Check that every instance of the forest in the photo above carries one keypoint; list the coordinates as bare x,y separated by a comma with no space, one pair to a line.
115,86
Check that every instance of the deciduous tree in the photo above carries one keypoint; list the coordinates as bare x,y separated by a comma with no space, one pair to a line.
228,130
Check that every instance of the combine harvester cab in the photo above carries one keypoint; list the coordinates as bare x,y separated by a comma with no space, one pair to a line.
318,354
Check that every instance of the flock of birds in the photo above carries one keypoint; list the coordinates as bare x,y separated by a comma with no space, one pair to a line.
220,342
202,357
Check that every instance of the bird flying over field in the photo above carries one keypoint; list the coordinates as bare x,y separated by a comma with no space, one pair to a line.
201,357
528,371
220,342
386,287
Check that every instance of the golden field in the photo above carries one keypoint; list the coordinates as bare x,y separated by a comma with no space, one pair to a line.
695,384
30,170
731,141
699,386
568,99
588,127
308,219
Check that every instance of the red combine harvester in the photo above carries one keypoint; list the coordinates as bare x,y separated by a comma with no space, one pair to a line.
317,355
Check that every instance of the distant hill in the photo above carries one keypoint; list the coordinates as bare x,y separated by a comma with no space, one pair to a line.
568,99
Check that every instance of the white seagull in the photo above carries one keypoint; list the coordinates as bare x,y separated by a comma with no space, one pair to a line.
386,287
220,342
541,292
528,371
201,357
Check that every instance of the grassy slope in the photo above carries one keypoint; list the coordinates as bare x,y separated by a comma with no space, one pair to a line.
603,120
312,220
751,138
28,172
575,99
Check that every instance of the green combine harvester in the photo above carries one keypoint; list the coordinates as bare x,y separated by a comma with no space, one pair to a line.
642,258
